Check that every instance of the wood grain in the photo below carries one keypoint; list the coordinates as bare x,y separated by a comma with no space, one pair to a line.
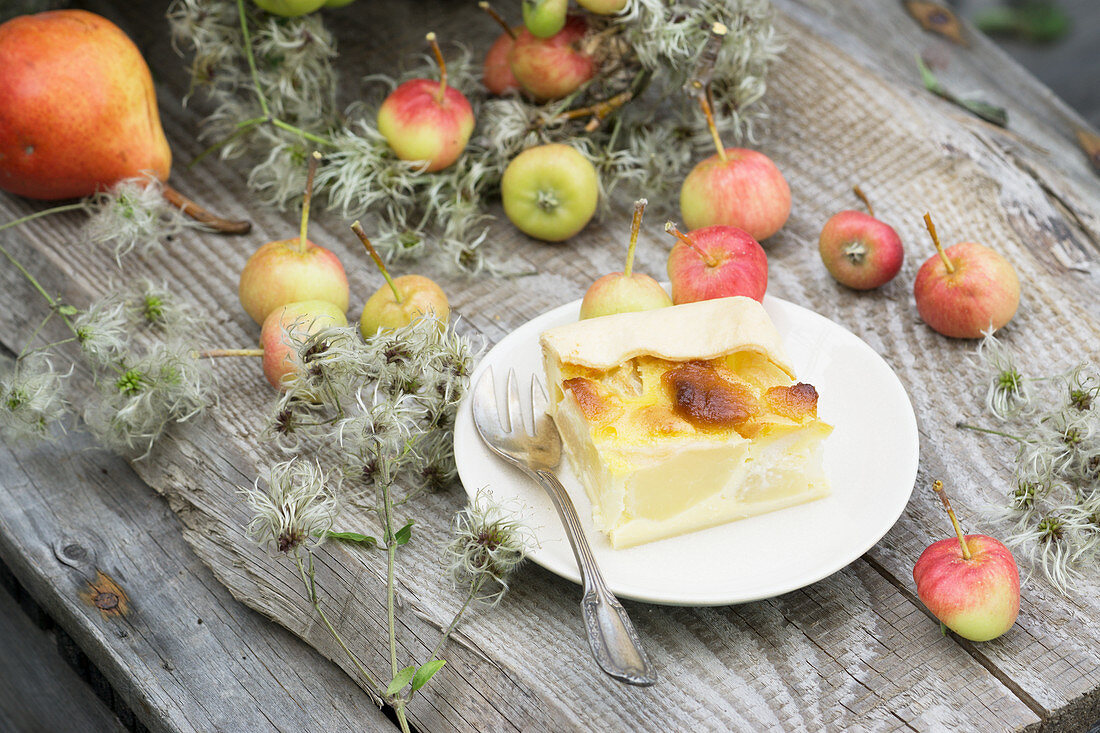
853,651
42,693
186,656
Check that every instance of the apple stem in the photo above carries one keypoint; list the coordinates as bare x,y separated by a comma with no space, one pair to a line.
704,104
442,68
635,227
936,240
308,199
937,486
201,215
863,197
358,229
215,353
707,258
496,16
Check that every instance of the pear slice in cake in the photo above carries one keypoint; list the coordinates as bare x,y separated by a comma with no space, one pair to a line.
683,418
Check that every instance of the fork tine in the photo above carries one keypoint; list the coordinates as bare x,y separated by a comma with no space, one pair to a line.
539,400
486,410
515,406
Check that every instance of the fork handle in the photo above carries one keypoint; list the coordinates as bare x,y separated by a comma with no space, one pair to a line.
611,635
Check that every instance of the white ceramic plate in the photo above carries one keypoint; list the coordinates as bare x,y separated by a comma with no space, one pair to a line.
870,459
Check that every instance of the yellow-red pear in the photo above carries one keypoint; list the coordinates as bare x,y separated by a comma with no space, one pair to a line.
77,107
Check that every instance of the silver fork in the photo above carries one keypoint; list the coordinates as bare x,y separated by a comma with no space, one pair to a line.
611,636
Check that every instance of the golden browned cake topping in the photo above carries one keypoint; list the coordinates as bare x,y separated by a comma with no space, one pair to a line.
705,399
795,402
596,404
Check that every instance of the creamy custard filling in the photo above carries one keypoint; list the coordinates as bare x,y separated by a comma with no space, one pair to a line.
665,446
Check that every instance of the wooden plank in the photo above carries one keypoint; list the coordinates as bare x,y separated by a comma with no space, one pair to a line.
187,657
39,691
853,650
1053,657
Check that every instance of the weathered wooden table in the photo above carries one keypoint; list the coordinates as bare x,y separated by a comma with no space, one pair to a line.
856,650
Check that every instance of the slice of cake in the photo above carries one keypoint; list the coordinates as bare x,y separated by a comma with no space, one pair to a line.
683,418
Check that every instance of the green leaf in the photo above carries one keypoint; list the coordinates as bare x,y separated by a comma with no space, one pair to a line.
352,538
426,672
1039,21
988,112
397,684
403,535
943,628
67,310
931,83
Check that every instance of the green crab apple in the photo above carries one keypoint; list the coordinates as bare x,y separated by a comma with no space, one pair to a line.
859,250
289,8
401,299
626,291
966,290
969,582
426,120
603,7
550,191
292,270
544,18
554,67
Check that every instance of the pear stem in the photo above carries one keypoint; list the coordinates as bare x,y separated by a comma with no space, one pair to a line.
358,229
215,353
936,240
937,486
307,199
496,16
635,227
442,68
201,215
707,258
863,197
704,104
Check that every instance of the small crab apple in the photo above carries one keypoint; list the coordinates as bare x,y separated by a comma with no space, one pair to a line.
291,270
426,120
967,290
289,8
550,191
716,262
735,187
555,67
859,250
970,583
280,358
400,300
498,77
603,7
544,18
307,317
626,291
